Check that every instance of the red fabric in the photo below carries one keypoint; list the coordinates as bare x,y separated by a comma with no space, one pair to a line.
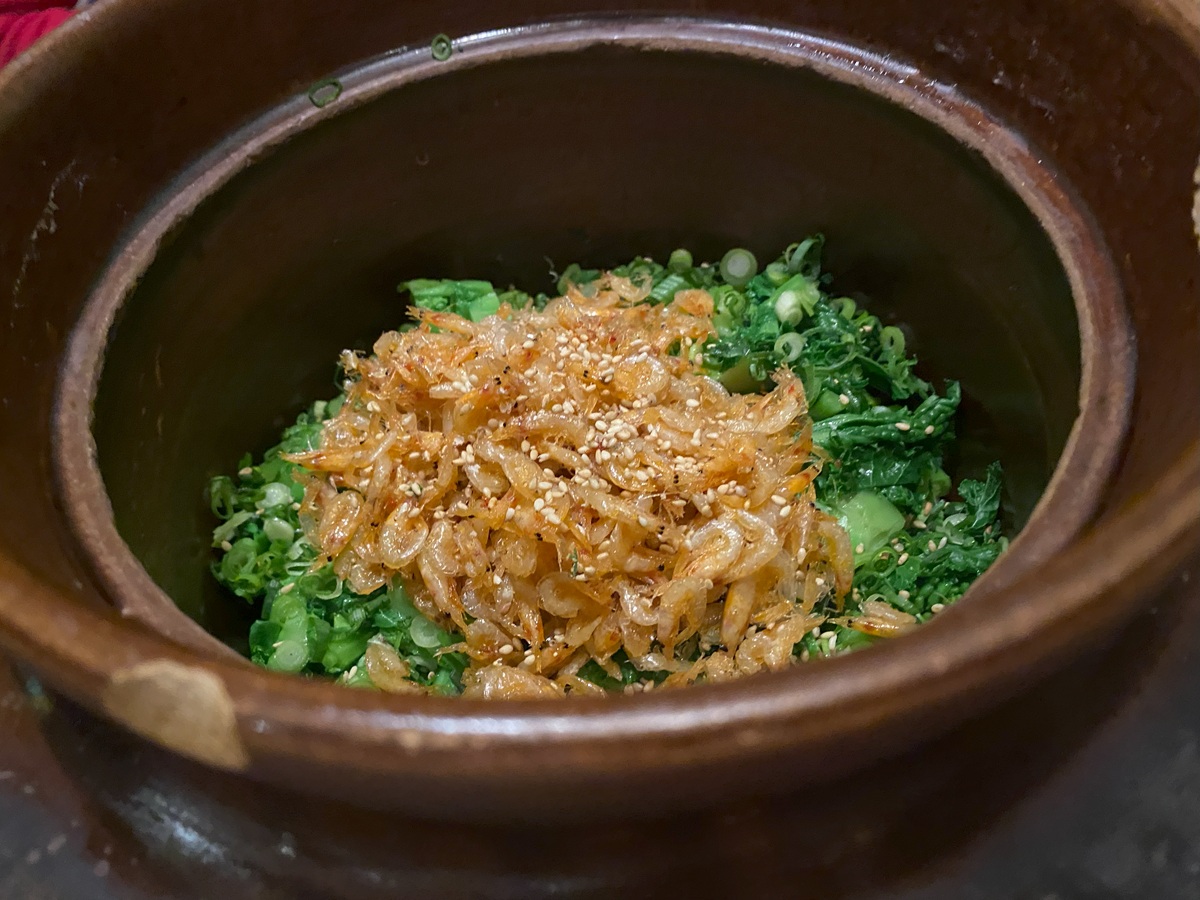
24,21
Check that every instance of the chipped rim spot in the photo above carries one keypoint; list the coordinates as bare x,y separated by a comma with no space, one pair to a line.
184,708
1196,206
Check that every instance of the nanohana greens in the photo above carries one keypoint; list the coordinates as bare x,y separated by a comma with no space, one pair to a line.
883,433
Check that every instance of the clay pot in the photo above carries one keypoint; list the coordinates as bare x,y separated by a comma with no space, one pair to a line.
202,205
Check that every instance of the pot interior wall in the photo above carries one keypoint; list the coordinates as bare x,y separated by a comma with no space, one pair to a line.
502,171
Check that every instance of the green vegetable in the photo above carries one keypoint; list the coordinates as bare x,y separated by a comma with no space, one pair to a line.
324,92
442,48
882,433
680,261
738,266
794,299
474,300
789,346
871,521
311,622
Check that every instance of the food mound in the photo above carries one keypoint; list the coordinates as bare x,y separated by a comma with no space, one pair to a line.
614,489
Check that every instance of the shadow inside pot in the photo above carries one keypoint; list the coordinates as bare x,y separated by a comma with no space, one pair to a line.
897,824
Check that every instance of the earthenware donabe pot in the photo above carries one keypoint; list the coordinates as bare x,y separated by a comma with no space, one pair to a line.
199,205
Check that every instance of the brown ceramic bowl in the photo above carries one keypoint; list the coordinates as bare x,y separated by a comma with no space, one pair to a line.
193,226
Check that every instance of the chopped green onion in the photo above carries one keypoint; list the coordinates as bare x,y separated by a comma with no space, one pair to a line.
221,496
276,494
738,378
777,273
738,266
846,308
827,404
790,346
806,258
666,289
788,308
226,530
278,530
871,521
680,261
424,633
442,47
289,656
325,92
892,339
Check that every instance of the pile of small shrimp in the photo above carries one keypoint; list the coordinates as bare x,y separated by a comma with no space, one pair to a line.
564,484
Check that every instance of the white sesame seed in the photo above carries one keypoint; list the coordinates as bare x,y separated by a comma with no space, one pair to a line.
784,511
903,595
643,521
506,649
692,403
902,560
929,429
861,548
539,504
903,426
778,500
844,399
937,607
932,545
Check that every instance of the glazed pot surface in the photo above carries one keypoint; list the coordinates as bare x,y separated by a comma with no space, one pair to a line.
1121,139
